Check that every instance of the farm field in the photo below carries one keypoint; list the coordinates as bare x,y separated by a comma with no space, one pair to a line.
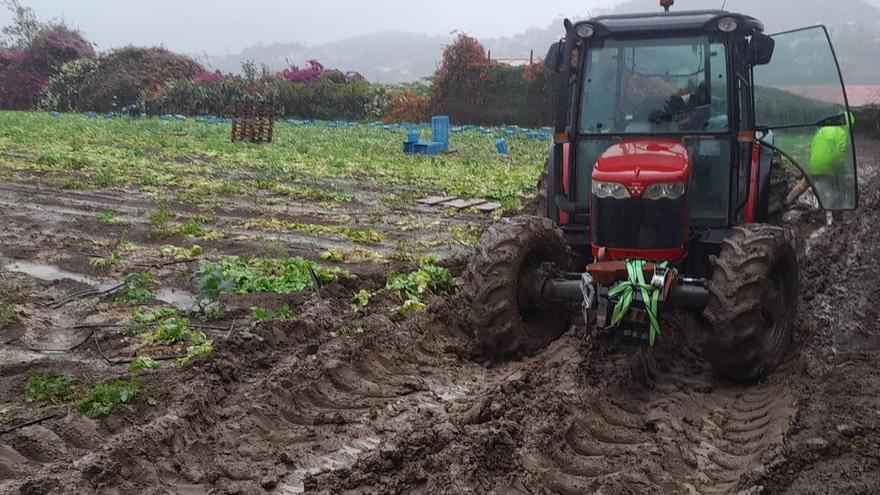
180,314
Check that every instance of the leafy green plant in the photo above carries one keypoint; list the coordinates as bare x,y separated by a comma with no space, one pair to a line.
410,306
138,288
239,275
48,386
160,222
142,319
179,253
335,255
109,218
192,227
196,350
262,315
112,259
143,363
103,397
362,298
172,331
412,287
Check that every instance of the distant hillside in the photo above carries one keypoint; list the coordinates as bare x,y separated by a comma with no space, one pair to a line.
388,57
393,57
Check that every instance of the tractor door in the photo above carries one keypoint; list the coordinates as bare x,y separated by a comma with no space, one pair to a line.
800,96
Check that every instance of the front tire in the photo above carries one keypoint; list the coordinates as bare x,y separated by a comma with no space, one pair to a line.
752,302
504,314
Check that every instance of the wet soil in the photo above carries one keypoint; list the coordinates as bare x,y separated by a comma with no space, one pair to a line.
337,401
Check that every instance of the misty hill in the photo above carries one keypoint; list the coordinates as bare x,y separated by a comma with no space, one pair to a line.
389,57
393,57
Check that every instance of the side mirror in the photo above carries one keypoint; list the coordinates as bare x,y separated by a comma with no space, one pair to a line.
761,49
553,60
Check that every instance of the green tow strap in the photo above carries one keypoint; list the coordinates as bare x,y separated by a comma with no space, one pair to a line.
625,291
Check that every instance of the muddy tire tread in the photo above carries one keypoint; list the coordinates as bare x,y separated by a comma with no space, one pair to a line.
736,340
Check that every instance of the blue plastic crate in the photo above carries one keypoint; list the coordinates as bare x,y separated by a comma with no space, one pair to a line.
440,129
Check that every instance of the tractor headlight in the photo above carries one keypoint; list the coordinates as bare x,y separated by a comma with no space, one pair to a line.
665,190
603,190
585,31
727,24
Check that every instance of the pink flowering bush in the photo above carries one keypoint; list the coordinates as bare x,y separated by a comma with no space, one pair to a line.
307,75
25,71
205,78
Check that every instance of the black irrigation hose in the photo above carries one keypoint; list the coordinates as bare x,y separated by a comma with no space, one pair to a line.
29,423
119,362
94,292
22,344
117,325
93,333
316,284
82,294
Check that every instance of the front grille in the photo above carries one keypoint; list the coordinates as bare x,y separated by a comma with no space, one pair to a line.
638,223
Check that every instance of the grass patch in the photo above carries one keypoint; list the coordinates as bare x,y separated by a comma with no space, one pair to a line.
138,153
103,397
366,236
48,386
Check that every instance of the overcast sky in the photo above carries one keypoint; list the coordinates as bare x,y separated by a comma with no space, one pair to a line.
221,26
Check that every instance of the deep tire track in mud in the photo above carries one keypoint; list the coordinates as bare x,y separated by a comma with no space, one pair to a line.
293,406
576,420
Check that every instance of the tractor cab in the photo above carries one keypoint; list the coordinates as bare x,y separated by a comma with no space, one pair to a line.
667,181
671,123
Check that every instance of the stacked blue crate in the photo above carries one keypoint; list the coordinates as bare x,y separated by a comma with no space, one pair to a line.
439,138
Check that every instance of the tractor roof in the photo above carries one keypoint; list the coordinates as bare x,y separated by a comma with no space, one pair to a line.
661,23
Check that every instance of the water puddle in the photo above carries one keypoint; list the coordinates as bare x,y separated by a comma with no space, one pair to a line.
178,298
49,273
341,458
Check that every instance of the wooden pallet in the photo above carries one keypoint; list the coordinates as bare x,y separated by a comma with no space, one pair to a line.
253,121
460,204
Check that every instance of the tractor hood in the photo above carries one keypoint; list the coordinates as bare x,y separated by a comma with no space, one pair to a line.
639,163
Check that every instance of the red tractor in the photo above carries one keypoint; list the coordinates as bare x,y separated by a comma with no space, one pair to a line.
666,187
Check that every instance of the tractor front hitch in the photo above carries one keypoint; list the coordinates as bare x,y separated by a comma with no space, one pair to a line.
684,293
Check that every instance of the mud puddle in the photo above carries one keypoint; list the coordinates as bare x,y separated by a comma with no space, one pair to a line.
51,273
342,458
179,298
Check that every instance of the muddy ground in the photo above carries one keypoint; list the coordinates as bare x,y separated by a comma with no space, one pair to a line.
341,402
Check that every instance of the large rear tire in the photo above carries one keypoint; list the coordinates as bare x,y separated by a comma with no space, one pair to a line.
752,302
512,259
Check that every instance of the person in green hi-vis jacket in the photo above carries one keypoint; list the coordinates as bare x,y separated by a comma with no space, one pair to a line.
827,165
